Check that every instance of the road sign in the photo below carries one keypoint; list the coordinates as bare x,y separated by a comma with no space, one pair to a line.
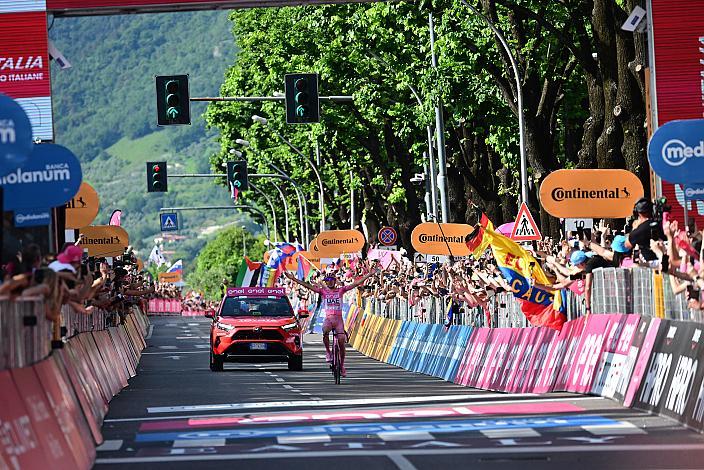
572,225
421,258
387,236
388,248
525,228
169,221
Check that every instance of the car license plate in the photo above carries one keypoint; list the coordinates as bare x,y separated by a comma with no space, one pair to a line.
257,346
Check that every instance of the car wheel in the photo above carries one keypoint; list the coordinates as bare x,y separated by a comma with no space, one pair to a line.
216,362
295,362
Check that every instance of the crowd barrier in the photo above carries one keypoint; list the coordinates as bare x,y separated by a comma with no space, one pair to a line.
54,402
164,306
648,363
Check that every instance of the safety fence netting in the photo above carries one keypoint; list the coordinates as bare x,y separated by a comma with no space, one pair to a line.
54,394
648,363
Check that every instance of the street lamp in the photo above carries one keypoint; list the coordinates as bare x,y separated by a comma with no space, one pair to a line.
302,203
519,96
264,122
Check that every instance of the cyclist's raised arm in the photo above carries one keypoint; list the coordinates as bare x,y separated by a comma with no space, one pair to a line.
305,284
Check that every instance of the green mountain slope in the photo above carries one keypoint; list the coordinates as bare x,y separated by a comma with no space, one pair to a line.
104,109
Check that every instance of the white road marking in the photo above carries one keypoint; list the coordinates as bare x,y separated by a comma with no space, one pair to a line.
149,333
199,443
303,439
279,379
110,445
399,400
405,436
510,432
622,427
408,452
167,347
402,462
288,387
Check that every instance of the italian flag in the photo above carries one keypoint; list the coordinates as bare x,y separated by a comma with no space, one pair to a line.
248,276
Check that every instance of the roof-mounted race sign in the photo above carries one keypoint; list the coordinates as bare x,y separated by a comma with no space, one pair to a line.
256,292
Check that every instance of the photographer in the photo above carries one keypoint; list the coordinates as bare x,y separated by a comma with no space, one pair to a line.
645,228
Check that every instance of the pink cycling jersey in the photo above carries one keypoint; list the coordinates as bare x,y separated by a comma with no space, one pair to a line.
332,300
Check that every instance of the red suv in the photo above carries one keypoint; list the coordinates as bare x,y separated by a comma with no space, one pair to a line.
256,324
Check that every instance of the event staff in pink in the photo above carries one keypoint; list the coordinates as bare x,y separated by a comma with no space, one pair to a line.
331,298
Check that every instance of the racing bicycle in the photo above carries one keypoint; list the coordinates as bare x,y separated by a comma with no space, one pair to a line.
336,365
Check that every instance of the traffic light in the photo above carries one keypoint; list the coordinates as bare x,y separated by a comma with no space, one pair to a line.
157,181
237,174
302,100
173,105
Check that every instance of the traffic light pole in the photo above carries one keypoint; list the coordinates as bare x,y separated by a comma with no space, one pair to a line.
211,208
302,203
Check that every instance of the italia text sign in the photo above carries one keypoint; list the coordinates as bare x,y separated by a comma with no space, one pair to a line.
331,243
104,240
82,209
590,193
676,151
431,238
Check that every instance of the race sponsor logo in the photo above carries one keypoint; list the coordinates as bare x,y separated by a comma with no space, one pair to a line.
560,193
51,172
675,152
256,291
40,217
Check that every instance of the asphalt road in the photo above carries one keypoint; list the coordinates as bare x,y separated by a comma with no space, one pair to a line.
176,413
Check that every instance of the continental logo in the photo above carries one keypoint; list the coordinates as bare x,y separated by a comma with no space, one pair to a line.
338,241
588,193
431,238
560,193
434,238
101,241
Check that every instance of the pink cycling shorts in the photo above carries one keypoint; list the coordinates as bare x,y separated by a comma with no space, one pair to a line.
333,322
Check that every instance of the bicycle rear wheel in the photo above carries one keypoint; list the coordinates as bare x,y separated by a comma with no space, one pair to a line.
336,361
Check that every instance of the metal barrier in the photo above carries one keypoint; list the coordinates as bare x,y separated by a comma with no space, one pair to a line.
26,334
641,291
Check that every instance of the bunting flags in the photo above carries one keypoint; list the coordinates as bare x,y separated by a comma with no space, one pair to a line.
542,307
249,273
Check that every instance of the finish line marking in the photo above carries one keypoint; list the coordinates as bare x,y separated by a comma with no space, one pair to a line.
313,404
360,401
404,453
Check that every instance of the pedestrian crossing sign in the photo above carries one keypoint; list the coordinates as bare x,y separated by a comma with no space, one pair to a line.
525,228
169,221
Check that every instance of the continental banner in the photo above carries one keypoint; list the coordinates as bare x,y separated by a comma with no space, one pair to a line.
590,193
332,243
104,240
432,238
82,209
170,278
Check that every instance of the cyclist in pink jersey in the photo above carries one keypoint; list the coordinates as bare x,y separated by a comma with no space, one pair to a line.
331,298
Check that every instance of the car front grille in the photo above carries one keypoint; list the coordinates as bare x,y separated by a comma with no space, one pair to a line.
266,334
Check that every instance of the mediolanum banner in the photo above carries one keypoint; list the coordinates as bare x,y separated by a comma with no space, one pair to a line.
432,238
590,193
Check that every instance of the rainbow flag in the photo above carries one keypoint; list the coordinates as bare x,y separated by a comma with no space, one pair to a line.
305,269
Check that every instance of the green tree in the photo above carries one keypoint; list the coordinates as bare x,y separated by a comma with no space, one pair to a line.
221,258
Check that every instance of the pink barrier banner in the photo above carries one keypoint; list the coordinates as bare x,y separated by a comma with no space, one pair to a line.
641,363
471,364
614,370
561,346
587,354
567,352
496,366
534,346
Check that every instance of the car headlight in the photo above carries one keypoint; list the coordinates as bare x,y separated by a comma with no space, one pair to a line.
290,326
224,326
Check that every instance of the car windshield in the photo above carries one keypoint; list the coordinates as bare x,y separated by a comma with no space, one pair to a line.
256,307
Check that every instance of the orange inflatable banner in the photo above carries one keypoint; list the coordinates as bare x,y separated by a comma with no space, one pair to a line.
431,238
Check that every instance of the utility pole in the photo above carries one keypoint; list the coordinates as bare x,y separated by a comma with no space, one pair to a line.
352,208
440,133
